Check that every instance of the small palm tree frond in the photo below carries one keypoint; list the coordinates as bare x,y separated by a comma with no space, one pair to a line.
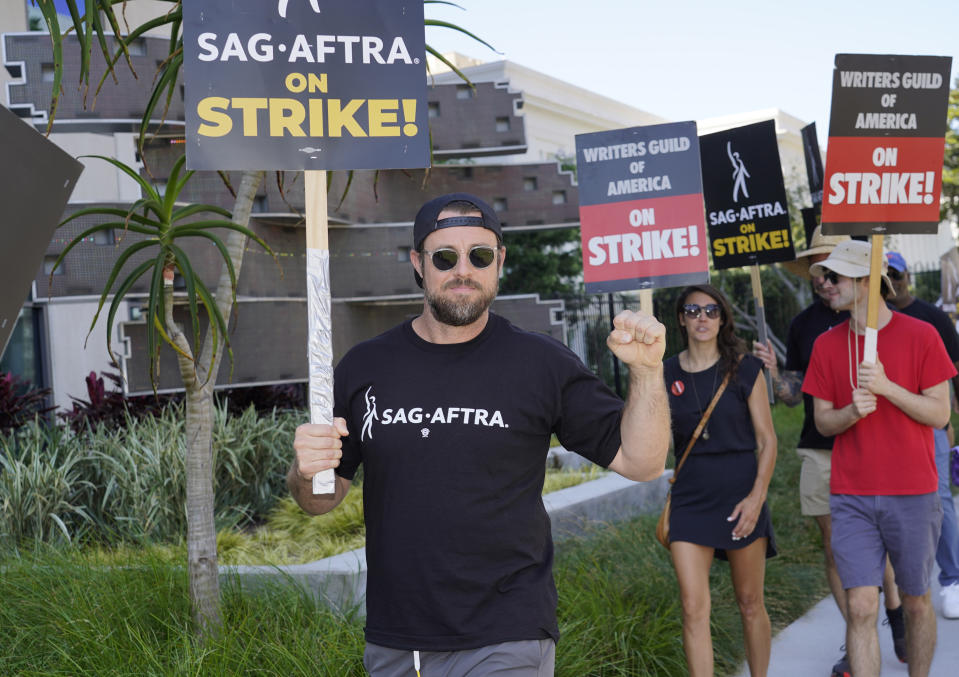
458,29
166,84
449,64
346,188
165,226
49,12
145,186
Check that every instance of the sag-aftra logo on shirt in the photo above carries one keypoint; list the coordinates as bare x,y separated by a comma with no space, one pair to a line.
418,415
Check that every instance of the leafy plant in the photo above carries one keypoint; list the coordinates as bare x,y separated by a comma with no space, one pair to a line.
20,402
158,217
42,480
108,406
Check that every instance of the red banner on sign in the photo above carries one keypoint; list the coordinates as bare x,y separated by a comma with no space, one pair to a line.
649,238
883,179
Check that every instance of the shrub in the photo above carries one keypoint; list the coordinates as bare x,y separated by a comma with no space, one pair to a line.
20,402
110,407
44,478
128,483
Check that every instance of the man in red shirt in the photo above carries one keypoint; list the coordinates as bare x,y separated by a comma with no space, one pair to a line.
883,486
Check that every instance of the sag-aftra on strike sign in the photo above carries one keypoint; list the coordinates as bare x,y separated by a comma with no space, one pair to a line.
305,84
886,131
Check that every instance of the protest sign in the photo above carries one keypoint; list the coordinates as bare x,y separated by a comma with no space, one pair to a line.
35,185
641,208
885,152
312,85
300,84
745,197
813,157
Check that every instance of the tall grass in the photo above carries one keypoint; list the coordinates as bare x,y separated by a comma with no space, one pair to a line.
63,613
69,618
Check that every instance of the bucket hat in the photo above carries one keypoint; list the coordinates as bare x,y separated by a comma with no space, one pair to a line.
818,244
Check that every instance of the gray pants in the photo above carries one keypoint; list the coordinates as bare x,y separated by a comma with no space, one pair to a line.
527,658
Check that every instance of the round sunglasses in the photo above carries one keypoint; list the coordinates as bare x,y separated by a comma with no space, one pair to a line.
446,258
694,310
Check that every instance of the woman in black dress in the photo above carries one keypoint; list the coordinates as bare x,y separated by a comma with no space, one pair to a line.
719,497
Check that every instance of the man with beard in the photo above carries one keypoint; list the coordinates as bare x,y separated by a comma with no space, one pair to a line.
458,541
814,449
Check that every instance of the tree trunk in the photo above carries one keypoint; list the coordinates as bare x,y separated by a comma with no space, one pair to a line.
199,377
201,527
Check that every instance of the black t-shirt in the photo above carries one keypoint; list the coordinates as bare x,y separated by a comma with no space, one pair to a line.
730,426
803,332
927,312
453,441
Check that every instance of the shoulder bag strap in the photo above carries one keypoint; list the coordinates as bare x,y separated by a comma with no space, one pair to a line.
702,424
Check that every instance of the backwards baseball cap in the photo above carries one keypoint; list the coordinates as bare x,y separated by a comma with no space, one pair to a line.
426,220
850,259
818,244
896,261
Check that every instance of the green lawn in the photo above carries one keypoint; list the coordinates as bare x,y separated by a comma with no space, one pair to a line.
63,614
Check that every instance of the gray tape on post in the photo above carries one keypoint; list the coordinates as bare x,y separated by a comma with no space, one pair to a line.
320,347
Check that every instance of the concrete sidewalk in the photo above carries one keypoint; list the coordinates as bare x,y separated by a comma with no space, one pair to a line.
810,646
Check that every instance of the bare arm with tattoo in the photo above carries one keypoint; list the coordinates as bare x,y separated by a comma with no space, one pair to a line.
787,385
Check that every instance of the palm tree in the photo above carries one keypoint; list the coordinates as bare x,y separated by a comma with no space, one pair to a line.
164,224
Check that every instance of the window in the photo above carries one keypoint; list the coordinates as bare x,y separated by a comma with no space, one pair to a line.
559,197
499,204
138,47
46,72
403,254
104,237
466,173
260,205
529,183
502,124
434,109
464,92
48,262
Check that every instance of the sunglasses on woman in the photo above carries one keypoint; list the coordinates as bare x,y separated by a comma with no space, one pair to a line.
693,310
480,256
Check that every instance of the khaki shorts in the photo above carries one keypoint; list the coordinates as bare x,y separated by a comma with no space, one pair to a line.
814,481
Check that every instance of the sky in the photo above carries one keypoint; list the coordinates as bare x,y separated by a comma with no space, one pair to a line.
693,59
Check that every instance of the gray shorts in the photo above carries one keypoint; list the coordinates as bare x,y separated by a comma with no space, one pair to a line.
867,528
526,658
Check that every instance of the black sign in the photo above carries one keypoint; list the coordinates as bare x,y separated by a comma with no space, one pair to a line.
305,84
34,189
746,213
814,171
886,130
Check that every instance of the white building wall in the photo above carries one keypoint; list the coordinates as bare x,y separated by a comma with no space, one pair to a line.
100,180
922,252
554,111
68,320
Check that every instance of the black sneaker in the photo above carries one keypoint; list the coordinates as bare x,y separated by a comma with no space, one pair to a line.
841,668
897,625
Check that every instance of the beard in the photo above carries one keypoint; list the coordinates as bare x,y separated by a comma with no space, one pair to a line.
460,313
